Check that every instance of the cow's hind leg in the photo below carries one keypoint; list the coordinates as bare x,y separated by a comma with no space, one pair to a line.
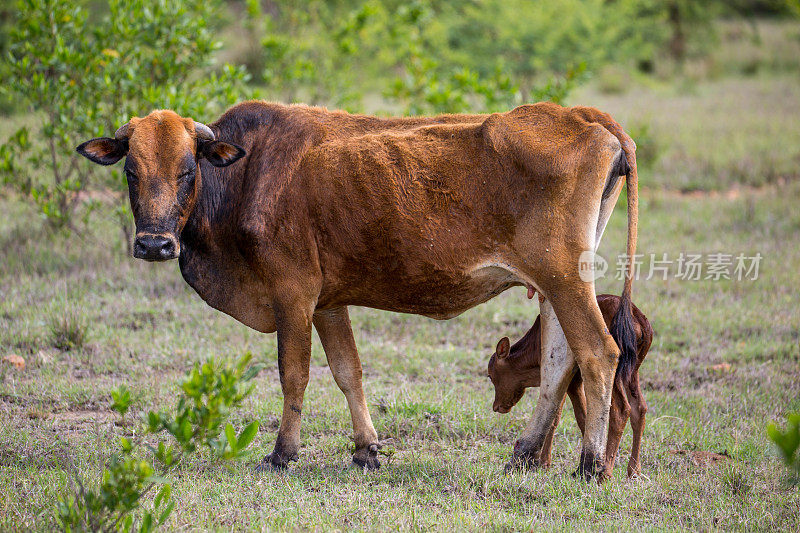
340,348
578,400
557,369
638,412
596,354
547,447
294,354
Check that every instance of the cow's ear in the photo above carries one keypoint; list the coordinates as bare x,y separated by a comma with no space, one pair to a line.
104,151
503,348
220,154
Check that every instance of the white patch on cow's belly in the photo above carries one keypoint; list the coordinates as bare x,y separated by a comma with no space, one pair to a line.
500,273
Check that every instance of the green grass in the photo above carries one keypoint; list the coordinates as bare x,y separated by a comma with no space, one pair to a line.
428,392
426,381
710,135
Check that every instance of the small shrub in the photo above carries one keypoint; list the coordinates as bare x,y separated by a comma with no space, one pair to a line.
200,421
68,329
788,442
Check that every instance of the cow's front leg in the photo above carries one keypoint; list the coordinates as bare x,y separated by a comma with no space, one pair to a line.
293,321
337,339
557,370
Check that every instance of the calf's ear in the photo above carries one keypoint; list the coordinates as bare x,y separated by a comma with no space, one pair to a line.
104,151
503,348
220,154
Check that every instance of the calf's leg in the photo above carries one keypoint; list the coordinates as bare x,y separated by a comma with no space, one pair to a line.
618,418
340,348
547,446
638,412
293,321
578,400
575,393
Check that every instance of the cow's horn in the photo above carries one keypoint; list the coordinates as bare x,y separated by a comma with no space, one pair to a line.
123,132
203,132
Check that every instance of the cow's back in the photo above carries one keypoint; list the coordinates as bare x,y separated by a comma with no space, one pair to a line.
403,216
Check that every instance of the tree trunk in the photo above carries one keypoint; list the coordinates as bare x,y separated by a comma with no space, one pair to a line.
677,43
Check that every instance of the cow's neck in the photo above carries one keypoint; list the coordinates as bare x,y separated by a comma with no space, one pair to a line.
208,240
214,210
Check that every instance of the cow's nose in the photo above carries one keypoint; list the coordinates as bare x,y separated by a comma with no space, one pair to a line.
154,248
498,408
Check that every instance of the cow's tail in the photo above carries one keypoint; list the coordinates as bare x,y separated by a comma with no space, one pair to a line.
623,328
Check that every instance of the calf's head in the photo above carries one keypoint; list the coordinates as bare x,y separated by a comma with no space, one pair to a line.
512,370
162,153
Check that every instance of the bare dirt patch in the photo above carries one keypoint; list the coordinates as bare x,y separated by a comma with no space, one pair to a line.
81,419
702,457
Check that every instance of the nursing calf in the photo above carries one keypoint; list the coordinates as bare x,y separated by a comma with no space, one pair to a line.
512,369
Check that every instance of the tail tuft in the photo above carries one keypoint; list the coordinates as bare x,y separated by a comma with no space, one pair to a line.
623,331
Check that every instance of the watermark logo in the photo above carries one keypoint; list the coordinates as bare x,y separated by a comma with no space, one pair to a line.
591,266
685,266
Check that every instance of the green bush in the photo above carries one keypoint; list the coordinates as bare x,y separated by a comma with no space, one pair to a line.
336,54
199,422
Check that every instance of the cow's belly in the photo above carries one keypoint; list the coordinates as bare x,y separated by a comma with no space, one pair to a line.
440,295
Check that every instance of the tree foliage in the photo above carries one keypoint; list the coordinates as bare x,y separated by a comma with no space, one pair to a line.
82,78
416,55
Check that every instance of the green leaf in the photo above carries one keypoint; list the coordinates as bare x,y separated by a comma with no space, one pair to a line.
147,523
166,512
125,444
247,435
230,434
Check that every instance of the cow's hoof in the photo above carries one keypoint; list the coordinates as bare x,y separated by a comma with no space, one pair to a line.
523,459
590,468
367,458
521,464
274,463
584,475
634,471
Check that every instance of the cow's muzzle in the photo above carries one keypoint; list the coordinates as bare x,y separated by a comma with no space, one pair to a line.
500,408
152,247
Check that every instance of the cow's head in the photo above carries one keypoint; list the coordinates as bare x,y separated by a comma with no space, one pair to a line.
163,150
509,376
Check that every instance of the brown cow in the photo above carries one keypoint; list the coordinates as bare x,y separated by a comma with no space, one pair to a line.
512,369
424,215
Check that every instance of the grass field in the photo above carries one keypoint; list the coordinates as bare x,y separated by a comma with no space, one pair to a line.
725,361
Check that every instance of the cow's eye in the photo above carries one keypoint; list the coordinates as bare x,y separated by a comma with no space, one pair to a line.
186,176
